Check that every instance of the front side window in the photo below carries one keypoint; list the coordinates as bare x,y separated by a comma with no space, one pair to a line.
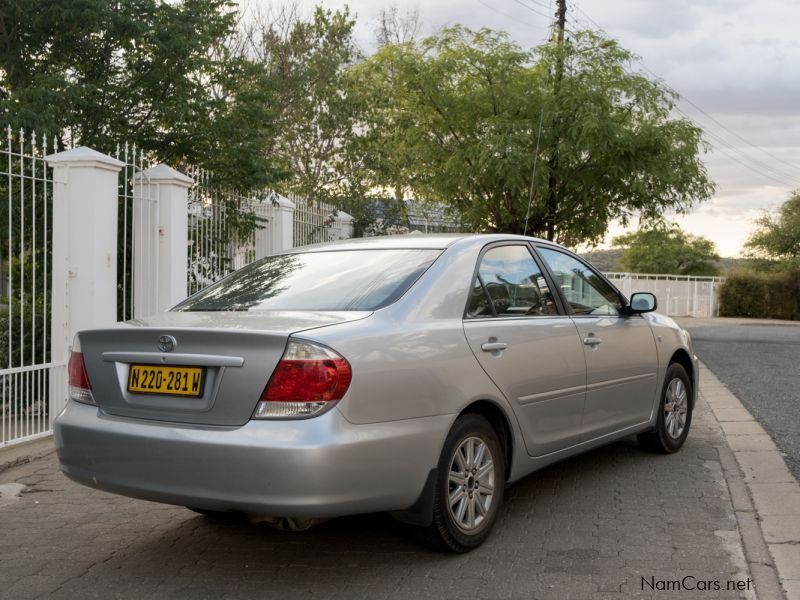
585,291
510,284
332,280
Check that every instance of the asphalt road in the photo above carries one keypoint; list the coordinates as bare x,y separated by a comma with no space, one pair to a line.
760,362
596,526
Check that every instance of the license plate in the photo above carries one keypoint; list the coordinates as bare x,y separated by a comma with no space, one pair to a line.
167,380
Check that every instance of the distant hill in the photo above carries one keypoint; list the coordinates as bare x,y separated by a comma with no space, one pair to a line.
605,260
608,261
728,264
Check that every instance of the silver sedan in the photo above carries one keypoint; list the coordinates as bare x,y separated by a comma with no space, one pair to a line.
412,374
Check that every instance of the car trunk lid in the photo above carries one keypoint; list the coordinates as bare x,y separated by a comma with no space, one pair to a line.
235,352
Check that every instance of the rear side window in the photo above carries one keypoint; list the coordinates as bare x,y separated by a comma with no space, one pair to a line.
510,284
479,305
334,280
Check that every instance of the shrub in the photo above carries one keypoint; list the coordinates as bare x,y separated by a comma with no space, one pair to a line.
770,295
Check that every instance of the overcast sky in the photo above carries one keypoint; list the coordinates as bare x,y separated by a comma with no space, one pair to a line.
737,60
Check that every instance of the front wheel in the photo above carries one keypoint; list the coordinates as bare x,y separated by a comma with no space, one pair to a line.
674,414
469,487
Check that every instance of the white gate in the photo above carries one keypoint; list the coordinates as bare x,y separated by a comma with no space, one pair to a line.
313,221
137,231
31,393
678,295
222,229
160,238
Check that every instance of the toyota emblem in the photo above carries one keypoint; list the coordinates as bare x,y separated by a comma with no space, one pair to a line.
167,343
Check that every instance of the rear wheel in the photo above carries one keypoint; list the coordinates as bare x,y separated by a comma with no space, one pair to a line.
674,414
469,487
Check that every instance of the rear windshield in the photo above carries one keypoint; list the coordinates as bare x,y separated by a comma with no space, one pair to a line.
336,280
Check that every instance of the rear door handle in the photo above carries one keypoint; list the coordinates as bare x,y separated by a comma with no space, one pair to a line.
591,340
493,346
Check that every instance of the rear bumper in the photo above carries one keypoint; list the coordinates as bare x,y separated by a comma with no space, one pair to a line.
320,467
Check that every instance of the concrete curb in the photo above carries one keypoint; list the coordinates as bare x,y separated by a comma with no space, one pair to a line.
765,495
19,454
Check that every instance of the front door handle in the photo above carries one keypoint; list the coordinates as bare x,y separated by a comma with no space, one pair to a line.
591,340
493,346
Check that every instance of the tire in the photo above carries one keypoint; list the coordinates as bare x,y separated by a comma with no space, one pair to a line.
674,418
458,526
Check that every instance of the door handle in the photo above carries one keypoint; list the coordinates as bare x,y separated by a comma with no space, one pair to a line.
493,346
591,340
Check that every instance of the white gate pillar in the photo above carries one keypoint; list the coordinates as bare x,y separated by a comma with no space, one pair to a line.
342,228
263,234
160,239
277,234
84,244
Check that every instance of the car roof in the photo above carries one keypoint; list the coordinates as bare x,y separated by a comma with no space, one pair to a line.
433,241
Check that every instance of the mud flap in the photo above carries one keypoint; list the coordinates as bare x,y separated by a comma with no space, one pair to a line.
421,512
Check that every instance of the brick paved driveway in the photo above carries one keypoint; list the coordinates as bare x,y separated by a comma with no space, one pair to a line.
590,527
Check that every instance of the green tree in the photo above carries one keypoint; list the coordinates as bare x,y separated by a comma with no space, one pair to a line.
668,250
305,60
455,119
777,236
155,73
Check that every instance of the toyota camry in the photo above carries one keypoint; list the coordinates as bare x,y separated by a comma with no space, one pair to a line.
418,375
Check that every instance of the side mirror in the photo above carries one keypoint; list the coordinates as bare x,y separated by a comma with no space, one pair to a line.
642,302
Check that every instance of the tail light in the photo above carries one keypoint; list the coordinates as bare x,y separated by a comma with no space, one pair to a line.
308,379
80,389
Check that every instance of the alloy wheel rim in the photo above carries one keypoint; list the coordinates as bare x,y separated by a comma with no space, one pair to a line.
676,408
471,484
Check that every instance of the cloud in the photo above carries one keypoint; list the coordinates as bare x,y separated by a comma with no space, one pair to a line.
736,59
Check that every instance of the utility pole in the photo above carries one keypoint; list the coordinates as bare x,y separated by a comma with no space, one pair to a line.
561,19
558,76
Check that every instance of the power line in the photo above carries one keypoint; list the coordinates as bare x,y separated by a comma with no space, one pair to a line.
539,131
581,11
597,26
736,135
711,118
771,171
533,175
552,200
750,167
541,113
725,147
505,14
533,10
720,145
546,5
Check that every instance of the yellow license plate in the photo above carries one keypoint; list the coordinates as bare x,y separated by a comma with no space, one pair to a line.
173,381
